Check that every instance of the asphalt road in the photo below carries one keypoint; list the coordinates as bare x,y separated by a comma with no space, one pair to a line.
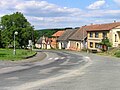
57,66
102,74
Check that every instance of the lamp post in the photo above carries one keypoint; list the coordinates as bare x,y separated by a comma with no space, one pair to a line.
1,28
14,51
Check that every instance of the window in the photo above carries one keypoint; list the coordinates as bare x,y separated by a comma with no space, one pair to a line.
96,45
115,38
96,34
104,34
91,34
91,44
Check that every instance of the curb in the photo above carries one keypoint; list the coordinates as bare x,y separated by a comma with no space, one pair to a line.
29,56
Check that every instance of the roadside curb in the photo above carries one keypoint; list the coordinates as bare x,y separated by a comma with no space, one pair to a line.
30,56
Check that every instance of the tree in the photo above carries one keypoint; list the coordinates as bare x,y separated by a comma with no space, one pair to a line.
105,44
16,22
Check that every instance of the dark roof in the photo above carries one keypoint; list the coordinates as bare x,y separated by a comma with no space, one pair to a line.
102,27
66,35
80,34
39,40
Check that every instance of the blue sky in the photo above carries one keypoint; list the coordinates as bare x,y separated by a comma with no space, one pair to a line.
63,13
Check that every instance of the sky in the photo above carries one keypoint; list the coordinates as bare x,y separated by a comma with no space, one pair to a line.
46,14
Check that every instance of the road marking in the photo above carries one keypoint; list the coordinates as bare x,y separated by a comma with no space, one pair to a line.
62,58
50,58
56,58
87,59
30,85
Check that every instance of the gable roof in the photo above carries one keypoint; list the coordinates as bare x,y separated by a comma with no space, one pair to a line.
58,33
80,34
46,39
102,27
39,41
65,36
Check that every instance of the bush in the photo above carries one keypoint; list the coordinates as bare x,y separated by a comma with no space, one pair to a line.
117,54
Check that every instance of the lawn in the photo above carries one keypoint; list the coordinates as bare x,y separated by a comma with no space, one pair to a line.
7,54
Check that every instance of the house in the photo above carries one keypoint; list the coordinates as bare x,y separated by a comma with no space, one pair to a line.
55,36
95,34
78,39
43,43
63,40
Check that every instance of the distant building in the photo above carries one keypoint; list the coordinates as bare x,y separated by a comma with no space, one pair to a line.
63,40
78,40
43,43
54,43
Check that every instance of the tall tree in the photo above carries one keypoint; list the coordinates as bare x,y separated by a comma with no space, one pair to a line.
16,22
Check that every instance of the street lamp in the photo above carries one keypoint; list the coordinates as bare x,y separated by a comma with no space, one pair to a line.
1,28
14,51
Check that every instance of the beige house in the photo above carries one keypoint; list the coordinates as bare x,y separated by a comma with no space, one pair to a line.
78,40
95,34
63,40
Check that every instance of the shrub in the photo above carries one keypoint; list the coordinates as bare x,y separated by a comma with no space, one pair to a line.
117,54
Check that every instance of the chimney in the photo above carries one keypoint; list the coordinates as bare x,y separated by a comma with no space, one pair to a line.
114,21
91,24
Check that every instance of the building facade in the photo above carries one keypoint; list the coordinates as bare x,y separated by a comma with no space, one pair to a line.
95,34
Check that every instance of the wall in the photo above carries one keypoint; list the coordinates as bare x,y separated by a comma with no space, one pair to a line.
95,40
76,45
116,31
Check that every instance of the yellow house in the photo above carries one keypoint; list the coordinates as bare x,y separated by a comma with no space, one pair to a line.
95,34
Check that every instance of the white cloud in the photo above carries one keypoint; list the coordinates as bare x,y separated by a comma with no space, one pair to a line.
117,1
42,14
97,5
45,9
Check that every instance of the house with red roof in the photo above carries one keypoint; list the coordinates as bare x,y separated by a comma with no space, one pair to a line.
54,43
97,32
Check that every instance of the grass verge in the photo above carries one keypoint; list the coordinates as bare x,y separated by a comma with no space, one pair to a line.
114,52
7,54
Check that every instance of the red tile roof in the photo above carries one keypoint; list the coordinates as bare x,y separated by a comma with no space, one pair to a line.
58,33
101,27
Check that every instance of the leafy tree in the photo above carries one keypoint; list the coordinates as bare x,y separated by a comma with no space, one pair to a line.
46,32
105,44
16,22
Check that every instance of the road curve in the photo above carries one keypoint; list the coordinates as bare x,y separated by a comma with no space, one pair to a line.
57,65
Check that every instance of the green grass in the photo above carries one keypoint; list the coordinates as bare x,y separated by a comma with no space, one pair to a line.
114,52
117,54
7,54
